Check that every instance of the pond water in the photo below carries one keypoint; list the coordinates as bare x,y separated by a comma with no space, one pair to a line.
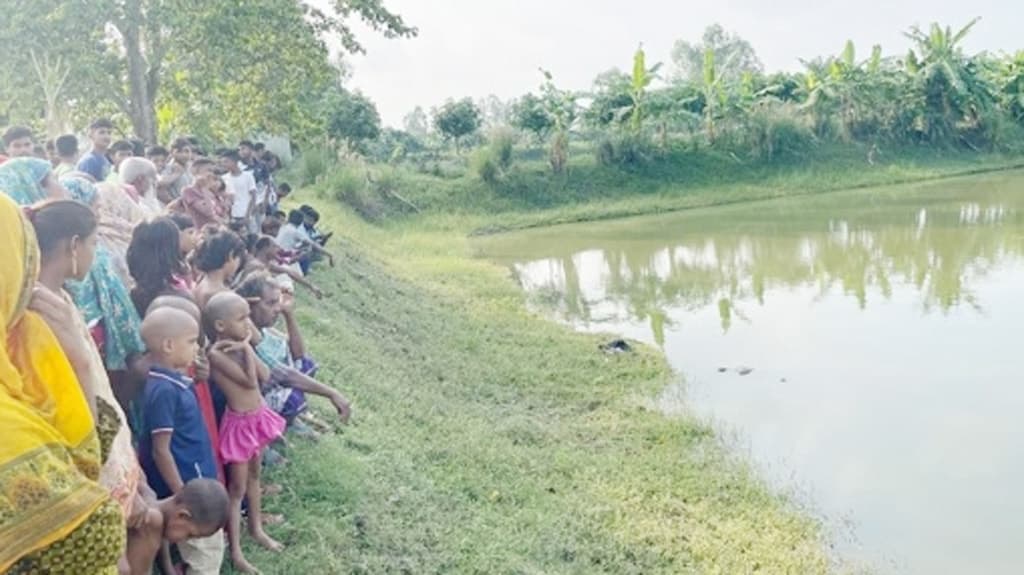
882,328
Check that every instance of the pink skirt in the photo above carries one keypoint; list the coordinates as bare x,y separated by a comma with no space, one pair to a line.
244,435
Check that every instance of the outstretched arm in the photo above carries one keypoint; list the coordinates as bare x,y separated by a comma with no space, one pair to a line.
296,277
302,382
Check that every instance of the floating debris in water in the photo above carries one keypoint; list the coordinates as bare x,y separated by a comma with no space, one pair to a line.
744,370
723,369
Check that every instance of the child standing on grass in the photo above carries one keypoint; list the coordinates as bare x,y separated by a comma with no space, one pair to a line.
248,425
174,446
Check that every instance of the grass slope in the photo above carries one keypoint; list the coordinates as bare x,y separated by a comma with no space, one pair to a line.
487,440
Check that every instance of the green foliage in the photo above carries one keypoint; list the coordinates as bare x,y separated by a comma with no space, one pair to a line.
609,95
312,165
734,55
1009,80
627,151
214,69
639,82
562,107
485,165
492,162
456,120
774,130
529,114
352,118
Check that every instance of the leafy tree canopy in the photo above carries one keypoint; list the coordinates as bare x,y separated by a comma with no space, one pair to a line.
733,55
457,119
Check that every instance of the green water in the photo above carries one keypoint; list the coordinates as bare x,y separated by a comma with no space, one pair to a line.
883,330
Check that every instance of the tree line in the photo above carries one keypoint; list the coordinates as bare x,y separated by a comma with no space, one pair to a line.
220,69
717,95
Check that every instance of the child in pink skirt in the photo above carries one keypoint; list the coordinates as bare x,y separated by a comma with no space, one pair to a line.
248,425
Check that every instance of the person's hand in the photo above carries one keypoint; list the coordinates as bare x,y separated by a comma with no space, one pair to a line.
343,407
319,293
330,260
202,367
139,514
229,346
55,312
288,301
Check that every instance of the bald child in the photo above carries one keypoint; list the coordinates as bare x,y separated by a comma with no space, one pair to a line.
248,425
174,443
198,511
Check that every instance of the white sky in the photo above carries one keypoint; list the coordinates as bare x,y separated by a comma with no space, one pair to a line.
480,47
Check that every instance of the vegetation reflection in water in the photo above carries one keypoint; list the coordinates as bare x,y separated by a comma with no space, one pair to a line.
880,326
730,257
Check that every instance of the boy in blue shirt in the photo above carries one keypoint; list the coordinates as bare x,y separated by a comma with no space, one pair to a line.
95,163
175,446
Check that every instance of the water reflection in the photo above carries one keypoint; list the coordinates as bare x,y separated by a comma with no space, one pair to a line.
940,250
882,328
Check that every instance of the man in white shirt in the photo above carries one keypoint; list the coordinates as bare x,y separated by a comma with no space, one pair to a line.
242,186
293,237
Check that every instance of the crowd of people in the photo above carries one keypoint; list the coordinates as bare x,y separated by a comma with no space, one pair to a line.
153,363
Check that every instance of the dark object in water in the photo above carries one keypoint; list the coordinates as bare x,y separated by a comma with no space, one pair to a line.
744,370
723,369
617,346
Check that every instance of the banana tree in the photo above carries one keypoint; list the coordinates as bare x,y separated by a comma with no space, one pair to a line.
1010,79
713,93
841,86
562,108
639,83
951,84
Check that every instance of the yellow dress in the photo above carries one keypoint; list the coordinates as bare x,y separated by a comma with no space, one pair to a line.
54,515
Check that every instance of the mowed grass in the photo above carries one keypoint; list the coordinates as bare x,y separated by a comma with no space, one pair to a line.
488,440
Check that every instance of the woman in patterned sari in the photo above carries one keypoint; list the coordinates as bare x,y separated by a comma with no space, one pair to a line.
102,296
118,216
54,515
66,232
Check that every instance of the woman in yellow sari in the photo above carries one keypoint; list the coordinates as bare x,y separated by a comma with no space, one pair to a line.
54,515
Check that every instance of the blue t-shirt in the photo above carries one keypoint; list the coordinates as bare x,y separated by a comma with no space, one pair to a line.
96,165
169,406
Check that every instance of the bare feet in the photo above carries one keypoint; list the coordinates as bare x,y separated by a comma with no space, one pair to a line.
243,566
265,540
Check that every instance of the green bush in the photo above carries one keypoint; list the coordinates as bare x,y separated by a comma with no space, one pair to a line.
485,166
313,165
492,162
502,148
625,151
774,130
351,187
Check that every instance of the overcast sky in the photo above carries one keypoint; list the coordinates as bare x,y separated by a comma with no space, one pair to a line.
480,47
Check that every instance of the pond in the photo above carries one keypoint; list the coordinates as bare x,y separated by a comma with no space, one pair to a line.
862,347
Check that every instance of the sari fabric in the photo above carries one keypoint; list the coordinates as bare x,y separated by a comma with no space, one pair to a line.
49,456
21,179
120,473
103,299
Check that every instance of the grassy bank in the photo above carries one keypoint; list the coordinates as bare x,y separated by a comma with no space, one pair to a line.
527,195
487,440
